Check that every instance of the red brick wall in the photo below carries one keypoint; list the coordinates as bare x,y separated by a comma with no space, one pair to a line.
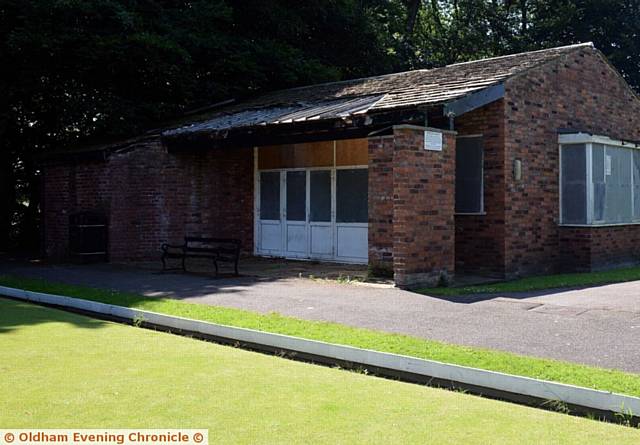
152,197
56,180
423,207
579,91
480,238
381,205
68,188
574,245
596,248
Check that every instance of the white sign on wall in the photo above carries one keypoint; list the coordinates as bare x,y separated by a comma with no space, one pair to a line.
433,140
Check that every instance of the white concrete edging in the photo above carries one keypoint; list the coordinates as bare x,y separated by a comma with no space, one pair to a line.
575,395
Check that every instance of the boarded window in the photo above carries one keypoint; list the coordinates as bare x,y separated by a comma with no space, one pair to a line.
469,171
352,196
270,195
296,196
574,184
320,194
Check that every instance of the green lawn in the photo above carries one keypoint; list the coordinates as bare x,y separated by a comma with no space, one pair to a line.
61,370
575,374
542,282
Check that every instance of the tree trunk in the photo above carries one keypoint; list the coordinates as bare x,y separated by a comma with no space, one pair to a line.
413,6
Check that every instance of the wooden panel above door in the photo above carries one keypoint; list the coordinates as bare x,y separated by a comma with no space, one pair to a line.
310,154
352,152
313,154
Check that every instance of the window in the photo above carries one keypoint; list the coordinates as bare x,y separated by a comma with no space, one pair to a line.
320,194
600,181
574,184
296,195
469,172
270,195
351,195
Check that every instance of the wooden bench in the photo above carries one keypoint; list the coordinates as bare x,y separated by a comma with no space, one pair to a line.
225,250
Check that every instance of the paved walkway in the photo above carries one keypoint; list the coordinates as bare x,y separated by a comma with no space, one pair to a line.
598,326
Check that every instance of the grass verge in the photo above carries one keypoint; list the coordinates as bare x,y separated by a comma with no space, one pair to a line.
546,369
541,283
62,370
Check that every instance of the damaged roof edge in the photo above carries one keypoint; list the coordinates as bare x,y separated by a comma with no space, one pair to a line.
474,101
461,87
338,107
295,132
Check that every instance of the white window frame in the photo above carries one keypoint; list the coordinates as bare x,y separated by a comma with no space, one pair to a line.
589,140
482,211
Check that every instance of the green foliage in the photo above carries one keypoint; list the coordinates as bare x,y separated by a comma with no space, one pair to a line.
79,71
83,71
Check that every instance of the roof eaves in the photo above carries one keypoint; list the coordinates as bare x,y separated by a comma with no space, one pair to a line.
474,100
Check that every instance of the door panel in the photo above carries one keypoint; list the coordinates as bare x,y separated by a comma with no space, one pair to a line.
296,196
321,240
320,196
270,226
320,226
271,237
296,214
352,243
352,215
270,196
297,239
351,195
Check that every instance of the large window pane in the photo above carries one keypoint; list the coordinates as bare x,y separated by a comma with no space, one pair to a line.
320,193
574,180
352,196
617,173
599,186
469,158
636,184
296,195
270,195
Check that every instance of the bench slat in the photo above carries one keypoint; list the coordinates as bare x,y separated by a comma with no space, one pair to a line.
218,249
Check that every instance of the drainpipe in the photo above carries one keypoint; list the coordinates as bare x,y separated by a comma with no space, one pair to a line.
451,115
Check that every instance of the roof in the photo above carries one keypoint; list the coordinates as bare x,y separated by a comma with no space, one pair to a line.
409,89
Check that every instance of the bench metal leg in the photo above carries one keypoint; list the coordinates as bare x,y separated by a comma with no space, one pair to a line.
184,266
236,268
164,263
215,264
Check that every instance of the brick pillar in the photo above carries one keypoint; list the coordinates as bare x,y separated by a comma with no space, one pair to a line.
423,208
381,205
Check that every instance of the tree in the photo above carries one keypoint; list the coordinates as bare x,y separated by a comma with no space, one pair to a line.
79,71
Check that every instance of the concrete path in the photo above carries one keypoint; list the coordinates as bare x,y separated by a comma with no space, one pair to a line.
597,326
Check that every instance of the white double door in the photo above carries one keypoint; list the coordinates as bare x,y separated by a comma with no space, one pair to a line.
313,213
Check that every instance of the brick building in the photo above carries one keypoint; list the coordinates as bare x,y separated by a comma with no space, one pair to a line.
510,166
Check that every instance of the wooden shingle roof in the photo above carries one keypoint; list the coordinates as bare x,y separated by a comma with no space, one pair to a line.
408,89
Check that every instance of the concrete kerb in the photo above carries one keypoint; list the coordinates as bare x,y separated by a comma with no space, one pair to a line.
494,384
